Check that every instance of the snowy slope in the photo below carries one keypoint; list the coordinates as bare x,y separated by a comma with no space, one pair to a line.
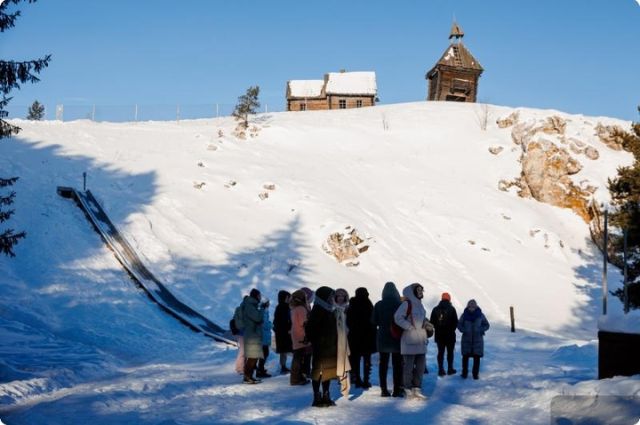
80,341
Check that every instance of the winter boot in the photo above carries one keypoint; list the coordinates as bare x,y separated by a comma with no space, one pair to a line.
326,399
451,371
417,394
398,392
263,374
441,372
317,399
384,392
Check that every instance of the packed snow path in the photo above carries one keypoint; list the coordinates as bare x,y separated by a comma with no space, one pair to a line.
139,273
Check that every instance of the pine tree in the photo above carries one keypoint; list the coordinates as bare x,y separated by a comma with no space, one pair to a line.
625,195
12,75
247,104
36,111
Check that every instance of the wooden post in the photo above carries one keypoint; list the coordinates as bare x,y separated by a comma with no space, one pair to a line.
513,319
625,273
605,261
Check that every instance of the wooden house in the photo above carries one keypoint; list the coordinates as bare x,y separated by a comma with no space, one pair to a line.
455,76
338,90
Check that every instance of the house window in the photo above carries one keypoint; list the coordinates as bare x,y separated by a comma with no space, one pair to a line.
303,106
358,103
342,104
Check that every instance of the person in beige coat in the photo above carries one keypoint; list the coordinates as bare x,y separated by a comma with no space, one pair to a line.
411,316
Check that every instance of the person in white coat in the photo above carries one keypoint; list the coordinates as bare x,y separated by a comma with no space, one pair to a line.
411,316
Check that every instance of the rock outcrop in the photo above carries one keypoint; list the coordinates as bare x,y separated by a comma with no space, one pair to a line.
547,165
345,246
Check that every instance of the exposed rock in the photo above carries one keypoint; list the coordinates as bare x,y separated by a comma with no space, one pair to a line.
509,120
231,183
575,149
554,125
522,133
212,148
546,171
579,143
505,185
345,246
220,133
263,195
199,185
269,186
496,149
610,135
591,153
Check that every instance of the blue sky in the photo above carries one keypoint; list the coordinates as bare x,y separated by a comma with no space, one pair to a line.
579,56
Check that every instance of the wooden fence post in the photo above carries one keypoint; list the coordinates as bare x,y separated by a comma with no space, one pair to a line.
513,319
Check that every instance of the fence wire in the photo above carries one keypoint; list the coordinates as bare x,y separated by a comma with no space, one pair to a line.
132,113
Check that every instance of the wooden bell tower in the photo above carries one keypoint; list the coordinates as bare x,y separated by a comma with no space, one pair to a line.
455,76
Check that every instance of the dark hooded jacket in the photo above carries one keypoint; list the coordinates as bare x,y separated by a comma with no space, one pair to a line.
444,319
362,333
321,330
282,324
473,326
382,317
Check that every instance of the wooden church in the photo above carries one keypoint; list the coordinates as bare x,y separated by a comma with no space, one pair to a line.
455,76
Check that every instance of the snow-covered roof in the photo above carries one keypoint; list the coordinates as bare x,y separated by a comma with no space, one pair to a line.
306,88
351,83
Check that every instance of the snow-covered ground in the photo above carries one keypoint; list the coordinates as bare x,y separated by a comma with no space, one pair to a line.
79,343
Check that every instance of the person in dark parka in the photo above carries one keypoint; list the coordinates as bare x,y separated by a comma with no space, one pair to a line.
253,316
445,320
321,330
282,329
473,324
362,337
388,346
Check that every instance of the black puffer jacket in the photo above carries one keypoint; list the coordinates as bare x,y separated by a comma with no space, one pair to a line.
322,332
362,333
282,324
444,318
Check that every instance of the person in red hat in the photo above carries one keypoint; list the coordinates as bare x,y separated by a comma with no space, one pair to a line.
445,319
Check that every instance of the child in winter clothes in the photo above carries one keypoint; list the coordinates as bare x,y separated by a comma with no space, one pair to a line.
473,324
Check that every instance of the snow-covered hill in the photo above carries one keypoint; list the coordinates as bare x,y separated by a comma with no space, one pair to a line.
416,180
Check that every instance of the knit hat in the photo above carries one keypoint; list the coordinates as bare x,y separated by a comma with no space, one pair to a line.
472,303
446,296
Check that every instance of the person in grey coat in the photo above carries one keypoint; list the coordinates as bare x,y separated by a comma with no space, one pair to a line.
473,324
413,344
388,346
253,316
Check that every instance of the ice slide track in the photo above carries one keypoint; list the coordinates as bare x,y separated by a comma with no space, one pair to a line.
127,256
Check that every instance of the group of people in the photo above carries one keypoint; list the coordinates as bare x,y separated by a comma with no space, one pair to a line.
332,337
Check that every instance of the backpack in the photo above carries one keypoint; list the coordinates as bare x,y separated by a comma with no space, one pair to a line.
395,329
236,324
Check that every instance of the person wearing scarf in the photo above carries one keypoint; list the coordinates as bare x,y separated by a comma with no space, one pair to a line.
473,324
322,332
